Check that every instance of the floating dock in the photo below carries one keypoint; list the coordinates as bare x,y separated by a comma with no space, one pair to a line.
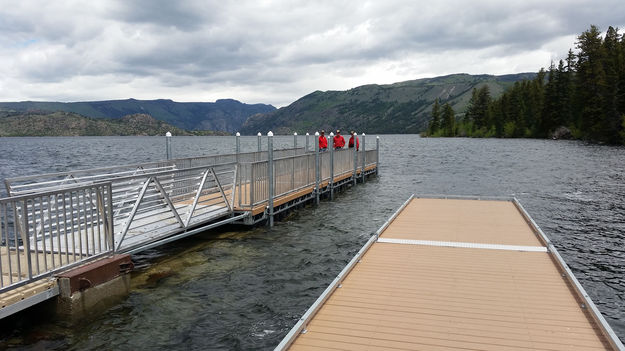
56,222
455,274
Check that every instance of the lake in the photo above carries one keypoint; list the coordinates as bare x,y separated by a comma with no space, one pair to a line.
242,288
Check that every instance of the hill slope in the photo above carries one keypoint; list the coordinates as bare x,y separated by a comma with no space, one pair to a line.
71,124
394,108
223,115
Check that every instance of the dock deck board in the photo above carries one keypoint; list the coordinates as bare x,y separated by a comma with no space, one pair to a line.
416,296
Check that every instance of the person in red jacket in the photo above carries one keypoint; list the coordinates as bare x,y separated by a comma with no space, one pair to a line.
350,143
323,142
339,141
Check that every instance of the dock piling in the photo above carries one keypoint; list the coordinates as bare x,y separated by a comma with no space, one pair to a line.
377,155
317,168
355,135
364,158
270,176
331,184
293,160
238,144
259,142
168,144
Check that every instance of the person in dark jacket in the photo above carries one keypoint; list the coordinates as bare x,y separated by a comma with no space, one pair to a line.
350,143
339,141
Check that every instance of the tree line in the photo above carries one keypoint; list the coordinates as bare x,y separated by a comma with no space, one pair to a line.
582,97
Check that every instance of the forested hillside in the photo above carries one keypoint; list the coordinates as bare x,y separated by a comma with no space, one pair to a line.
393,108
582,97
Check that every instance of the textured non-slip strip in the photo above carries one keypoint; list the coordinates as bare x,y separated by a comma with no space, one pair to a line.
464,245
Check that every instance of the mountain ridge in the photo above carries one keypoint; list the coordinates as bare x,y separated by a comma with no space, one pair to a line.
223,115
70,124
401,107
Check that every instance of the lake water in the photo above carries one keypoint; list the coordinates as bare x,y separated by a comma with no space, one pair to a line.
243,289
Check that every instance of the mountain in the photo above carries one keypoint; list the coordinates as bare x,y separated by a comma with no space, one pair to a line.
71,124
223,115
393,108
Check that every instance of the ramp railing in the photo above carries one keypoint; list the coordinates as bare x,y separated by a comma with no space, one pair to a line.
153,200
164,203
47,232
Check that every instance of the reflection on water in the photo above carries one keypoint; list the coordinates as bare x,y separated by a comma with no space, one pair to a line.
242,288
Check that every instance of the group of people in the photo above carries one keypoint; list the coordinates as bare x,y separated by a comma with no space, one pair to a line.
338,141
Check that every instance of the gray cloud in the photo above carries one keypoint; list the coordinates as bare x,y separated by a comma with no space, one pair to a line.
272,51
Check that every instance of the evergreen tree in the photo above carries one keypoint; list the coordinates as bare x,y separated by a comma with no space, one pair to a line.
591,83
477,110
563,91
514,125
435,122
611,125
549,114
448,121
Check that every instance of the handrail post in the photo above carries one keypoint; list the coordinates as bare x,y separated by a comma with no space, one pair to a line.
294,143
293,161
331,183
307,143
317,168
377,155
270,176
251,188
259,142
355,135
238,145
364,158
26,240
168,145
110,217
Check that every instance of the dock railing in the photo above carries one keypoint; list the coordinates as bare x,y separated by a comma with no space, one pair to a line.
51,231
52,181
154,200
164,203
294,173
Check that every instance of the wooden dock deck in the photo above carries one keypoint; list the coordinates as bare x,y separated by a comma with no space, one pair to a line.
455,274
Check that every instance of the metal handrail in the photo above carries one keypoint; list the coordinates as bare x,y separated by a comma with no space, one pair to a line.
47,232
180,201
295,171
101,174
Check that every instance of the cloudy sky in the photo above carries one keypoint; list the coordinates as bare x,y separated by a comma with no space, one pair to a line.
266,51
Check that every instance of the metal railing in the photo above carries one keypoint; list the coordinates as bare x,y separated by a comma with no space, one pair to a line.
150,207
52,181
294,173
47,232
151,201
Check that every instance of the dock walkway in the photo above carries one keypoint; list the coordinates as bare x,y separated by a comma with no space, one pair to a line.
455,274
51,223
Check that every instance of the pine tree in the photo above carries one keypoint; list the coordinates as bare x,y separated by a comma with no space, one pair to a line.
448,121
611,124
435,122
591,84
477,110
549,114
563,91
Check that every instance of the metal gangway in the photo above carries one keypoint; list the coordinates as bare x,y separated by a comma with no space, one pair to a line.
56,221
